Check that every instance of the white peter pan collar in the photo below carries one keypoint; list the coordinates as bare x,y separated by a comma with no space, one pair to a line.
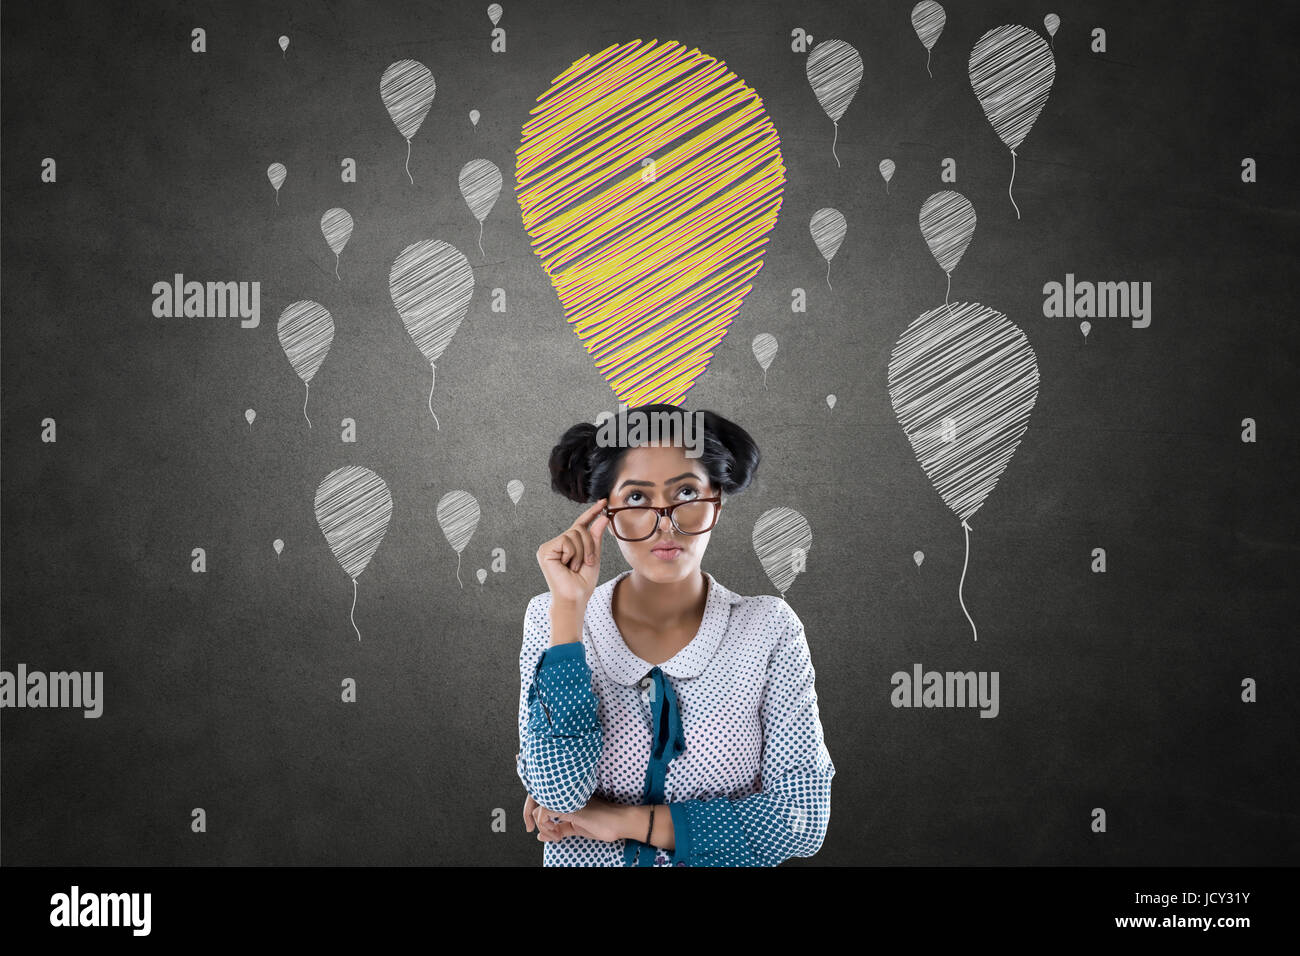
617,659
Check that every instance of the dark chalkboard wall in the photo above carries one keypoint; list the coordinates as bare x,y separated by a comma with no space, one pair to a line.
1119,690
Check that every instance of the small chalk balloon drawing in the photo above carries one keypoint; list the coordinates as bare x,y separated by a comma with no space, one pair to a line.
277,173
947,221
306,332
515,489
431,284
834,71
764,347
928,19
1011,72
336,226
782,539
407,89
458,515
353,509
828,229
480,185
887,168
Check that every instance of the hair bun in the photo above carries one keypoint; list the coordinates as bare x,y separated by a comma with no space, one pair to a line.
740,455
570,462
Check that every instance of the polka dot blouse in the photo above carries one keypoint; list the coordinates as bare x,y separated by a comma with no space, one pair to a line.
726,733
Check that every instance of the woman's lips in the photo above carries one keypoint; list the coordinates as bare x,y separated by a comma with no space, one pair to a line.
667,553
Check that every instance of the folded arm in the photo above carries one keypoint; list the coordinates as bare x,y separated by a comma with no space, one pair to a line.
789,816
559,727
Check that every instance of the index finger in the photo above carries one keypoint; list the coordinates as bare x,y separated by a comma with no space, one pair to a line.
590,514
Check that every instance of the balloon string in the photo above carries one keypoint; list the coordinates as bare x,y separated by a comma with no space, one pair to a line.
336,267
431,380
963,579
833,142
886,187
1013,179
927,62
458,570
304,403
277,195
408,160
765,378
949,292
352,613
828,275
480,240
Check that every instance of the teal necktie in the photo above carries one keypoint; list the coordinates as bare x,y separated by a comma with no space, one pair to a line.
666,744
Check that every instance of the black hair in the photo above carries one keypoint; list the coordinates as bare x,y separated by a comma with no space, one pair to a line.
583,470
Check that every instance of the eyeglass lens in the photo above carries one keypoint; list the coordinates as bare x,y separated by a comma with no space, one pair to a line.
692,517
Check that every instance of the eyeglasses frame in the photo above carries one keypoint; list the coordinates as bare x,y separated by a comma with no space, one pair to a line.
662,512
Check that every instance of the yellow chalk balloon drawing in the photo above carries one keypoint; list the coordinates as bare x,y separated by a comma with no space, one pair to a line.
649,178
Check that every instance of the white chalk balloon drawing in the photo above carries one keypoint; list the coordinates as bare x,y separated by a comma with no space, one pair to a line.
1050,23
480,185
834,71
278,545
928,19
473,116
284,45
764,346
353,508
1085,327
947,222
458,517
1011,72
407,88
249,415
276,173
431,284
336,226
918,557
494,13
887,168
963,380
828,229
515,489
481,574
306,332
782,539
830,401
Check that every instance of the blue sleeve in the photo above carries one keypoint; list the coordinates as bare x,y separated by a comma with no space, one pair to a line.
789,816
559,727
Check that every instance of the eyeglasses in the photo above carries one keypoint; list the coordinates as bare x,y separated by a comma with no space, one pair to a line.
638,522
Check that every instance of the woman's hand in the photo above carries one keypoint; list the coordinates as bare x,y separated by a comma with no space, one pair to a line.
538,817
571,560
598,820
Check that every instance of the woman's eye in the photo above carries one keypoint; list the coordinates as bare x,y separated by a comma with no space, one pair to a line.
632,497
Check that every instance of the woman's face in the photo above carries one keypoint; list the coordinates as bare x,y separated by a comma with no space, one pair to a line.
659,476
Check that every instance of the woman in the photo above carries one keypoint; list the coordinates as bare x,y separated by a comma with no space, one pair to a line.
664,719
